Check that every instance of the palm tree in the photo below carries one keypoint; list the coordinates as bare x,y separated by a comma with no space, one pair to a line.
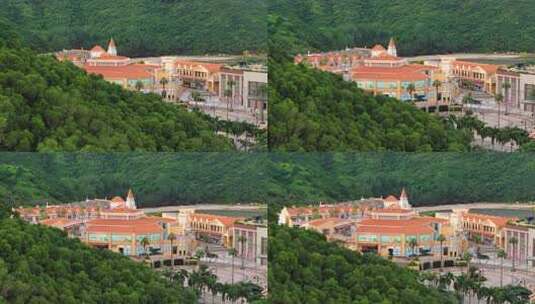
199,254
171,237
501,254
242,239
467,257
513,241
412,244
139,85
437,84
499,100
145,242
506,86
163,82
229,93
460,285
410,89
441,238
445,281
232,252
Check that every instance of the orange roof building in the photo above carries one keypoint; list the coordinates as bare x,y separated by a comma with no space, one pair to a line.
198,74
213,228
486,227
381,72
127,76
477,76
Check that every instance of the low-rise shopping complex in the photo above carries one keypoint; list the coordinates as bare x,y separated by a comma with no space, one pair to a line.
118,225
380,71
391,227
237,86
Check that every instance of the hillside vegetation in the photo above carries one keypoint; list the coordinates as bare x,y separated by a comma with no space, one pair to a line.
318,111
42,265
305,268
141,27
419,26
46,105
278,179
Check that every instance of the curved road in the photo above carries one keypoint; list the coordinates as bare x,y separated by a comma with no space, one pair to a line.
512,206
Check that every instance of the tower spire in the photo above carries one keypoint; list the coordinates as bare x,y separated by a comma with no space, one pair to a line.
392,50
112,48
130,201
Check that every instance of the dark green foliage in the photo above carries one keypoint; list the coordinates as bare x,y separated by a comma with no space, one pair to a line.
141,27
419,26
305,268
156,178
278,179
318,111
50,106
42,265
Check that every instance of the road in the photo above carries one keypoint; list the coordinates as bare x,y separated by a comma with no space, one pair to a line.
464,56
476,206
203,207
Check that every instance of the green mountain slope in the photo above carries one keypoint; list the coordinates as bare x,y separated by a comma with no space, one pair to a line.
318,111
278,179
42,265
141,27
46,105
305,268
420,26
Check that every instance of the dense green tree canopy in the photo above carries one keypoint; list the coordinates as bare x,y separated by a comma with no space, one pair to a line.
46,105
419,26
42,265
278,179
141,27
305,268
318,111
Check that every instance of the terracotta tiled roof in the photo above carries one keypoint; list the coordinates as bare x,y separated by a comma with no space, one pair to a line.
117,199
211,67
411,226
138,226
132,71
393,210
391,198
108,57
499,221
404,73
328,221
122,210
378,47
489,68
98,48
58,222
385,57
225,220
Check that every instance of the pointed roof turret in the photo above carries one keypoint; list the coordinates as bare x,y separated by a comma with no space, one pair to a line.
392,43
130,201
392,50
403,193
112,48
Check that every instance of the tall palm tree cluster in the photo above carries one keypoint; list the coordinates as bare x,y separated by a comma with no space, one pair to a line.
205,282
469,286
500,135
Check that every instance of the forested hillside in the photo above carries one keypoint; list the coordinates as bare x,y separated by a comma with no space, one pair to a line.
141,27
318,111
46,105
420,26
278,179
42,265
306,269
